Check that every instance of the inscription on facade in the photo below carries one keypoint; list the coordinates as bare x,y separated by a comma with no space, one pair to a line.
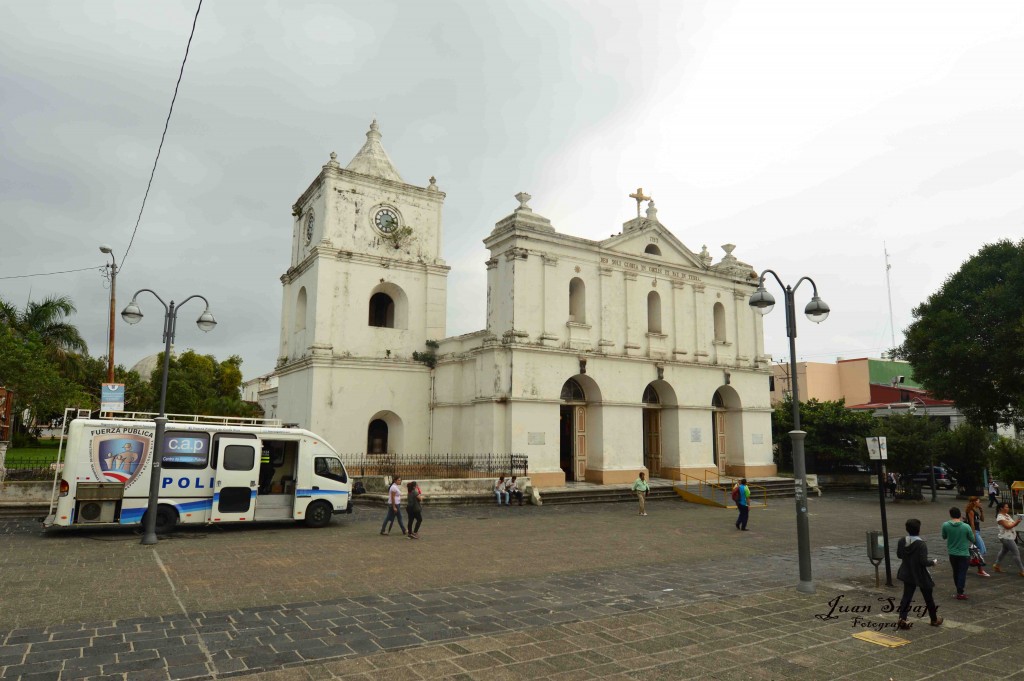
637,267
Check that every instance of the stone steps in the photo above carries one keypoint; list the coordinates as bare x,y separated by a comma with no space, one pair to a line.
591,494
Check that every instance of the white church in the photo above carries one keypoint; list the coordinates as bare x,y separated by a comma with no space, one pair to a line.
599,358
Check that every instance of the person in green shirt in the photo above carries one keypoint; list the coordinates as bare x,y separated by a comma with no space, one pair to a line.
959,536
641,488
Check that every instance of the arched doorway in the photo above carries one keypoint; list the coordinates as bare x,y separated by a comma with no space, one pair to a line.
377,437
573,431
384,434
727,429
652,439
718,434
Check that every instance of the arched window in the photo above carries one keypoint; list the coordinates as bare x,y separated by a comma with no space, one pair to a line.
652,249
573,392
717,401
577,301
300,310
377,437
719,322
382,310
653,312
651,395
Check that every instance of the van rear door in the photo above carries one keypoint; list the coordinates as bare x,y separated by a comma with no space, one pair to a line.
236,481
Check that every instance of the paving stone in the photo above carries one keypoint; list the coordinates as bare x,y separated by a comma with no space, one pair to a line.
631,616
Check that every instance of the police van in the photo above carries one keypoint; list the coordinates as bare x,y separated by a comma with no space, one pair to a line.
212,470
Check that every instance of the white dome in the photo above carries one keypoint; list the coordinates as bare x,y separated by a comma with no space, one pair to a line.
147,365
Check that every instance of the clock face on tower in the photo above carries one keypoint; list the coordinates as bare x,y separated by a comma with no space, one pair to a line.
310,221
386,220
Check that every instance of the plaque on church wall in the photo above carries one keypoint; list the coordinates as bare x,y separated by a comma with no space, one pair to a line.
535,438
694,434
757,438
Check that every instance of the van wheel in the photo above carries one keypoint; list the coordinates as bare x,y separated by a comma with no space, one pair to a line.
318,514
166,519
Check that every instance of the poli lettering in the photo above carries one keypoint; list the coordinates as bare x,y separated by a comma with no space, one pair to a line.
185,483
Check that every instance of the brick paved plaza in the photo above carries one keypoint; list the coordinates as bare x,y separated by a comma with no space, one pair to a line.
557,592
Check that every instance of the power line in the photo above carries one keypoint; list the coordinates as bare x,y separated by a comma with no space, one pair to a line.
163,136
47,274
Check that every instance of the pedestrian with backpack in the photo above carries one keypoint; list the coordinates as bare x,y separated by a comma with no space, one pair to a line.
741,495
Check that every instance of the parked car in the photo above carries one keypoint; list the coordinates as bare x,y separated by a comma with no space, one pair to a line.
943,478
848,468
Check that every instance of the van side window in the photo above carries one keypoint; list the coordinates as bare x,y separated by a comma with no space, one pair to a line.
216,444
185,449
329,467
239,458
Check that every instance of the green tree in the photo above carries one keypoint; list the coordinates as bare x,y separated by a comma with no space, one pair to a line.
913,442
965,340
835,434
966,451
91,372
35,379
47,320
199,384
1007,460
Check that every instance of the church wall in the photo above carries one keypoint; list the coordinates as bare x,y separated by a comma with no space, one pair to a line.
349,397
293,400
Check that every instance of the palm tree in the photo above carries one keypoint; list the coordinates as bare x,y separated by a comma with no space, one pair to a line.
46,320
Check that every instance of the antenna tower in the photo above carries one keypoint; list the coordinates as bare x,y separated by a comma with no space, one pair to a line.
888,288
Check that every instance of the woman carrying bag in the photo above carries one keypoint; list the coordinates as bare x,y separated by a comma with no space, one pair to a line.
974,514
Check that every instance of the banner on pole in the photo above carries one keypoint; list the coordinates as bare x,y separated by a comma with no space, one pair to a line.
876,449
112,397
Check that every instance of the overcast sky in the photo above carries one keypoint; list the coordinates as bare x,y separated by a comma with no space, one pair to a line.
806,133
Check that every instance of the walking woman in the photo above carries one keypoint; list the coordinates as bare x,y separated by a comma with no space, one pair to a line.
414,508
1007,537
974,514
913,551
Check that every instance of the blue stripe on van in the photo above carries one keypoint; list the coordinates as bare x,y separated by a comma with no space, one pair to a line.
318,492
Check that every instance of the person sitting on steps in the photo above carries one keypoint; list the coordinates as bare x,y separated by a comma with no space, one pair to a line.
500,491
512,490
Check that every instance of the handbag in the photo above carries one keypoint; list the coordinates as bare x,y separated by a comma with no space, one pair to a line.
976,559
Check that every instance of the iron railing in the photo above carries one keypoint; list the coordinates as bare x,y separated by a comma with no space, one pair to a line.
31,467
436,466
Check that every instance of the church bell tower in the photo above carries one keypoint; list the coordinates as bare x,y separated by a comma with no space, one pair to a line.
365,289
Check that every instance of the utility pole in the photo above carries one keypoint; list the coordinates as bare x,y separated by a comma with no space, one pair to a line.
113,302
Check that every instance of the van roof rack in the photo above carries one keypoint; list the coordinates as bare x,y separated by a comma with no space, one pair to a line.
190,418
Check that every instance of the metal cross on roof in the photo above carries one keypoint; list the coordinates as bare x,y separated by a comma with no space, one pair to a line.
639,196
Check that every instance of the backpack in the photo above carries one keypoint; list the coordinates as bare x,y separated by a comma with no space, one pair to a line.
736,493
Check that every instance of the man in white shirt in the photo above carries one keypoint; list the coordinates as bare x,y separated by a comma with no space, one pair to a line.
394,507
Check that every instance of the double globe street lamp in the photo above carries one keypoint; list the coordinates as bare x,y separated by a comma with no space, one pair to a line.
133,315
817,311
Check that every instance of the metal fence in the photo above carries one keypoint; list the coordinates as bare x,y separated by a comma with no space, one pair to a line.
30,468
436,466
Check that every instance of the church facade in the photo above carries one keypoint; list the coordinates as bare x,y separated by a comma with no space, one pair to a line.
599,358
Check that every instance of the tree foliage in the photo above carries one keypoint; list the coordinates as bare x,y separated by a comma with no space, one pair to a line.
1007,460
966,451
835,434
44,361
199,384
36,380
913,442
965,341
46,320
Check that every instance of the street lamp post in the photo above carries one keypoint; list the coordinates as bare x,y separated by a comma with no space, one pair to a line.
113,301
133,315
817,311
